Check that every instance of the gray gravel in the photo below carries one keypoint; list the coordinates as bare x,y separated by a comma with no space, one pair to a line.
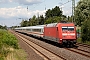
61,51
32,55
84,48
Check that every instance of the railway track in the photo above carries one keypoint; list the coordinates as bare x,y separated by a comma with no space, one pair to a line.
84,45
45,53
78,51
74,50
81,49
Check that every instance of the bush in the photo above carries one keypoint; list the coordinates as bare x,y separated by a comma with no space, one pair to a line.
85,31
9,39
6,40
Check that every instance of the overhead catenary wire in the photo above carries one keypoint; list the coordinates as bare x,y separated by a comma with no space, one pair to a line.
73,8
66,2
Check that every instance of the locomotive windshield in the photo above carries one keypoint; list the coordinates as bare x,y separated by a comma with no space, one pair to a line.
68,28
64,28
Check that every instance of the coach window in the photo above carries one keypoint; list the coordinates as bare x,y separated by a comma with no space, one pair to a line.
28,29
37,30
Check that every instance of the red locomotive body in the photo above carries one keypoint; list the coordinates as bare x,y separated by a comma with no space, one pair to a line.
60,33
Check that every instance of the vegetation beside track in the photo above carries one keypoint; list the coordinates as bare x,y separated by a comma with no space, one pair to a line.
79,40
9,48
82,36
16,54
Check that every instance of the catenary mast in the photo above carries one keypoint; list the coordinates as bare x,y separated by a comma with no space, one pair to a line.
73,9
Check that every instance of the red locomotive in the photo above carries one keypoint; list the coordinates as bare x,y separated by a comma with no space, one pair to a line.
57,32
61,33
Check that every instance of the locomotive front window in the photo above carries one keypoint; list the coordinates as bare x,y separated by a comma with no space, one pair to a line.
70,28
64,28
67,28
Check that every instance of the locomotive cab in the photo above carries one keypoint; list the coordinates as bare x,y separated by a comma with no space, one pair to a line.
62,33
67,33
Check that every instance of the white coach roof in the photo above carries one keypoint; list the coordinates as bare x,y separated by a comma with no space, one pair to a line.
32,27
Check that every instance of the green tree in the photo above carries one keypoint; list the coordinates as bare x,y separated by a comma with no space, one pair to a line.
3,27
24,23
48,13
69,19
54,15
53,12
56,11
41,20
33,21
85,31
53,20
82,11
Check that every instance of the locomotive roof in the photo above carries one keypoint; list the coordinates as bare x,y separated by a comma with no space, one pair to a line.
55,24
51,25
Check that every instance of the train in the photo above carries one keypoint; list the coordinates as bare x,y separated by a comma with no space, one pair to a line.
62,33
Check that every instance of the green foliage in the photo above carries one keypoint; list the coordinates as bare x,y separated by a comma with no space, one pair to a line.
69,19
1,58
33,21
53,20
79,40
3,27
82,18
85,31
41,20
24,23
9,39
6,40
82,11
54,12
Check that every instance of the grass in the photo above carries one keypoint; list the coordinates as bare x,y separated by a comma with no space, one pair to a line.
9,49
17,54
79,40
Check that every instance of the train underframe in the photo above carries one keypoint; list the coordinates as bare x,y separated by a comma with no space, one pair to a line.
69,42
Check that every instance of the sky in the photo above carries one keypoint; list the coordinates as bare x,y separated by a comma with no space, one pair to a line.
13,11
